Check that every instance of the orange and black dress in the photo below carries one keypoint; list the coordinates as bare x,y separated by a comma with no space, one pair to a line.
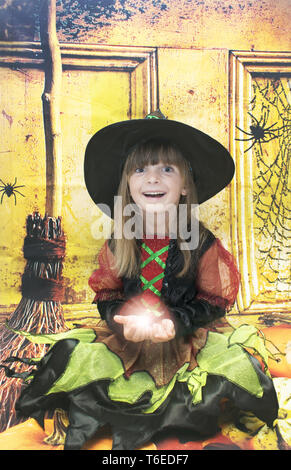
141,389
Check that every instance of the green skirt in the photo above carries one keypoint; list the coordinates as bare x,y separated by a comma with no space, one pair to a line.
88,381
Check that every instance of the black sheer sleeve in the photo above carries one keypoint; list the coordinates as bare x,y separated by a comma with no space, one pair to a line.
194,315
107,309
216,286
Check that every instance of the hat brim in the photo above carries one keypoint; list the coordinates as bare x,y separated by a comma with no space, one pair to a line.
212,165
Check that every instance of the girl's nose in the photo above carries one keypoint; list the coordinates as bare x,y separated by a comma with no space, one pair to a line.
152,176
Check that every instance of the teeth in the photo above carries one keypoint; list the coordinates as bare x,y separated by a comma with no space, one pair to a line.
153,194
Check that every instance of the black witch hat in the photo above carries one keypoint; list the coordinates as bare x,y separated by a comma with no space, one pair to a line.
212,166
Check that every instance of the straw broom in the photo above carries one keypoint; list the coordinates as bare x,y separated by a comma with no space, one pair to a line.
40,309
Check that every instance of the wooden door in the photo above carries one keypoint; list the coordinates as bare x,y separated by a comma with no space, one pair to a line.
231,96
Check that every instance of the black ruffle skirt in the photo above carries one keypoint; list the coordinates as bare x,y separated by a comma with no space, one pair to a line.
89,407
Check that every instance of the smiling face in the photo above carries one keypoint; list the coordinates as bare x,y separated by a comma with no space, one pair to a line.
156,187
156,177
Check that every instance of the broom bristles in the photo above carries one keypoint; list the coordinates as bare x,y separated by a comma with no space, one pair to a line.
32,314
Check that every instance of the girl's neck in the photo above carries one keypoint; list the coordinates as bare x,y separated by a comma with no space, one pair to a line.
155,235
157,226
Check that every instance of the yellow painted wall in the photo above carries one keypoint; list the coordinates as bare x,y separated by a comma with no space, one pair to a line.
194,90
103,99
198,24
22,156
193,41
86,106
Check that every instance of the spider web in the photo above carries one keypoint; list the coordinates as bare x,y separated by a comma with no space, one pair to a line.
270,109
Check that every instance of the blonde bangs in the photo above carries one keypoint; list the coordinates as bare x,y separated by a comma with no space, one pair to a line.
153,152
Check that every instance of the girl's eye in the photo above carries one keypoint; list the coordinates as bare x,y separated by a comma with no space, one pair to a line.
139,170
168,169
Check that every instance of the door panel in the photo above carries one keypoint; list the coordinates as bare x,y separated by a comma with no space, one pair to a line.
260,143
100,85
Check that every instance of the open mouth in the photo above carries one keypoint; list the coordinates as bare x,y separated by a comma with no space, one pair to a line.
155,194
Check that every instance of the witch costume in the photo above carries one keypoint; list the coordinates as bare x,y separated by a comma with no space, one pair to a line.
141,389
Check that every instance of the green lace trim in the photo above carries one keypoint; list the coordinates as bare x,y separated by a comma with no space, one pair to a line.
154,255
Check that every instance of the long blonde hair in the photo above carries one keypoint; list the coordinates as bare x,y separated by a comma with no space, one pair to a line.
152,152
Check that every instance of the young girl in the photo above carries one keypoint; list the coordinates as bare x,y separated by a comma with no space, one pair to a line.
155,362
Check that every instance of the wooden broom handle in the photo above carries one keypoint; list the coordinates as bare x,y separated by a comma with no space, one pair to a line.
51,107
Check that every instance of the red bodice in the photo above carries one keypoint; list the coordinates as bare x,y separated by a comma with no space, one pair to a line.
217,279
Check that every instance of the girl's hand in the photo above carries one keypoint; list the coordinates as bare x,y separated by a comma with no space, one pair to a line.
134,329
162,332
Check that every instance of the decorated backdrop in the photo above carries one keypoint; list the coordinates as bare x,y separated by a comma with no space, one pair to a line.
221,66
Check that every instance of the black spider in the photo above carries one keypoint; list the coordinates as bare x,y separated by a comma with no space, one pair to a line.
10,189
259,133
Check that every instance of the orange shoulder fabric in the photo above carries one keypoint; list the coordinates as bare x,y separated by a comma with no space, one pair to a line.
218,278
104,280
